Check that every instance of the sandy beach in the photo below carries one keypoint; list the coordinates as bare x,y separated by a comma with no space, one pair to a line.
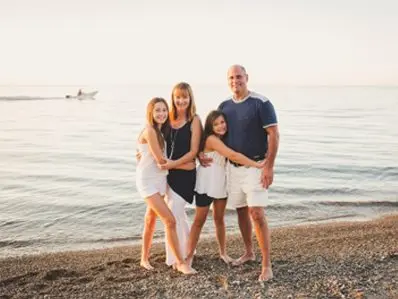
334,260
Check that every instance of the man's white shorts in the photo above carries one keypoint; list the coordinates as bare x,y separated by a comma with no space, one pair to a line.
245,188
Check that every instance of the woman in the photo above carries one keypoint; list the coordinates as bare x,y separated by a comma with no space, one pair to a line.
182,148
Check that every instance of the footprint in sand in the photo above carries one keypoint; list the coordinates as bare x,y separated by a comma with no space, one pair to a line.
127,261
111,263
85,279
20,279
98,268
59,273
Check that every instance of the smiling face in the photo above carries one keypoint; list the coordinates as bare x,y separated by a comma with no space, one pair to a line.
181,100
237,81
160,113
220,126
157,112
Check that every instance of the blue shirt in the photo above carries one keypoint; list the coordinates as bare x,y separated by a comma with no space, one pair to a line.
247,120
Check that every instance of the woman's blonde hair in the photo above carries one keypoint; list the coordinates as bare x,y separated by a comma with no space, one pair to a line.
185,89
160,133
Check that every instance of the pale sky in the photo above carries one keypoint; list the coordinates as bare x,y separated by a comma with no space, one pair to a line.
281,42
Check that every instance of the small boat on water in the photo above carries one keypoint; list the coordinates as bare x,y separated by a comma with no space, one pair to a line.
83,95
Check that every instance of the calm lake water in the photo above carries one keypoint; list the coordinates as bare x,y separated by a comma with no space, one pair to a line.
67,167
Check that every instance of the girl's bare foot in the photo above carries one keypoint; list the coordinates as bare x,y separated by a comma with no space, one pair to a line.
243,259
266,274
185,268
146,265
226,258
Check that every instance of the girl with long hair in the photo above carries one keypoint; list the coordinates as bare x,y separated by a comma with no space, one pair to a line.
151,183
211,184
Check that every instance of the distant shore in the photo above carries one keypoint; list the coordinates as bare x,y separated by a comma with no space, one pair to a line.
334,260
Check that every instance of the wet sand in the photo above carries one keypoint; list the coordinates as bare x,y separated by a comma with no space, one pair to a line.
335,260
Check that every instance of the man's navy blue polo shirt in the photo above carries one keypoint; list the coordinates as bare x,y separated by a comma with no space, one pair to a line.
247,120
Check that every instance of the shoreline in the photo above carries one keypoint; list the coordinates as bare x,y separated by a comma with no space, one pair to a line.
355,259
15,252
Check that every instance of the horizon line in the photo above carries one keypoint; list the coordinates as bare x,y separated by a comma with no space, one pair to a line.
213,84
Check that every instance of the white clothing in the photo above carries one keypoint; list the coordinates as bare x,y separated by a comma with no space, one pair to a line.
244,187
149,178
177,206
211,180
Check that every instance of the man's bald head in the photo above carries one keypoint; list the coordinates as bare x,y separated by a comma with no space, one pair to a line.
237,66
237,81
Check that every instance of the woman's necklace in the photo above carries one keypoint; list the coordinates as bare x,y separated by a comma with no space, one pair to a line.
173,137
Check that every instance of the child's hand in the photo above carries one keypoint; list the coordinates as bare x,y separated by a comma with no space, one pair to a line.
261,164
204,161
168,164
137,155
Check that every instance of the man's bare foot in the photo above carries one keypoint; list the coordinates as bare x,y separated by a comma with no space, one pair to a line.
266,274
243,259
146,265
184,268
226,258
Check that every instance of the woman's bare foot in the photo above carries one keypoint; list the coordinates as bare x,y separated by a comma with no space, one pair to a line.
189,261
185,268
243,259
146,265
266,274
226,258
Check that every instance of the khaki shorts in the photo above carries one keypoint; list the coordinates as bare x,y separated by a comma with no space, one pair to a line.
245,188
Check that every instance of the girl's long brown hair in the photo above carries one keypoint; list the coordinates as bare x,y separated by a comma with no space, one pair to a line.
164,130
183,87
208,130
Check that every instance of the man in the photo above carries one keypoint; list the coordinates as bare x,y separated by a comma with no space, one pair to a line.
252,131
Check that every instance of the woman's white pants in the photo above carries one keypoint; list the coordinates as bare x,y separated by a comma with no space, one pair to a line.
177,206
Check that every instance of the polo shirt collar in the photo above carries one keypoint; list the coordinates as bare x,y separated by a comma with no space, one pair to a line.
241,101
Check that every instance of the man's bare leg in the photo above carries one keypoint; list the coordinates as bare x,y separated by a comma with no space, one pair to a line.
245,227
264,241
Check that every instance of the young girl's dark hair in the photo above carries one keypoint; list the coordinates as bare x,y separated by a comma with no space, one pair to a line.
165,129
208,130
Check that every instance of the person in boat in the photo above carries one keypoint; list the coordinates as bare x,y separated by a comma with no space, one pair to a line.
79,93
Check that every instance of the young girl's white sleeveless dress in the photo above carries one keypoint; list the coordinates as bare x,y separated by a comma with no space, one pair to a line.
149,178
211,180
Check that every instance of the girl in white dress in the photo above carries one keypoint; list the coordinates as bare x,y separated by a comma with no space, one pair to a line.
211,182
151,183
